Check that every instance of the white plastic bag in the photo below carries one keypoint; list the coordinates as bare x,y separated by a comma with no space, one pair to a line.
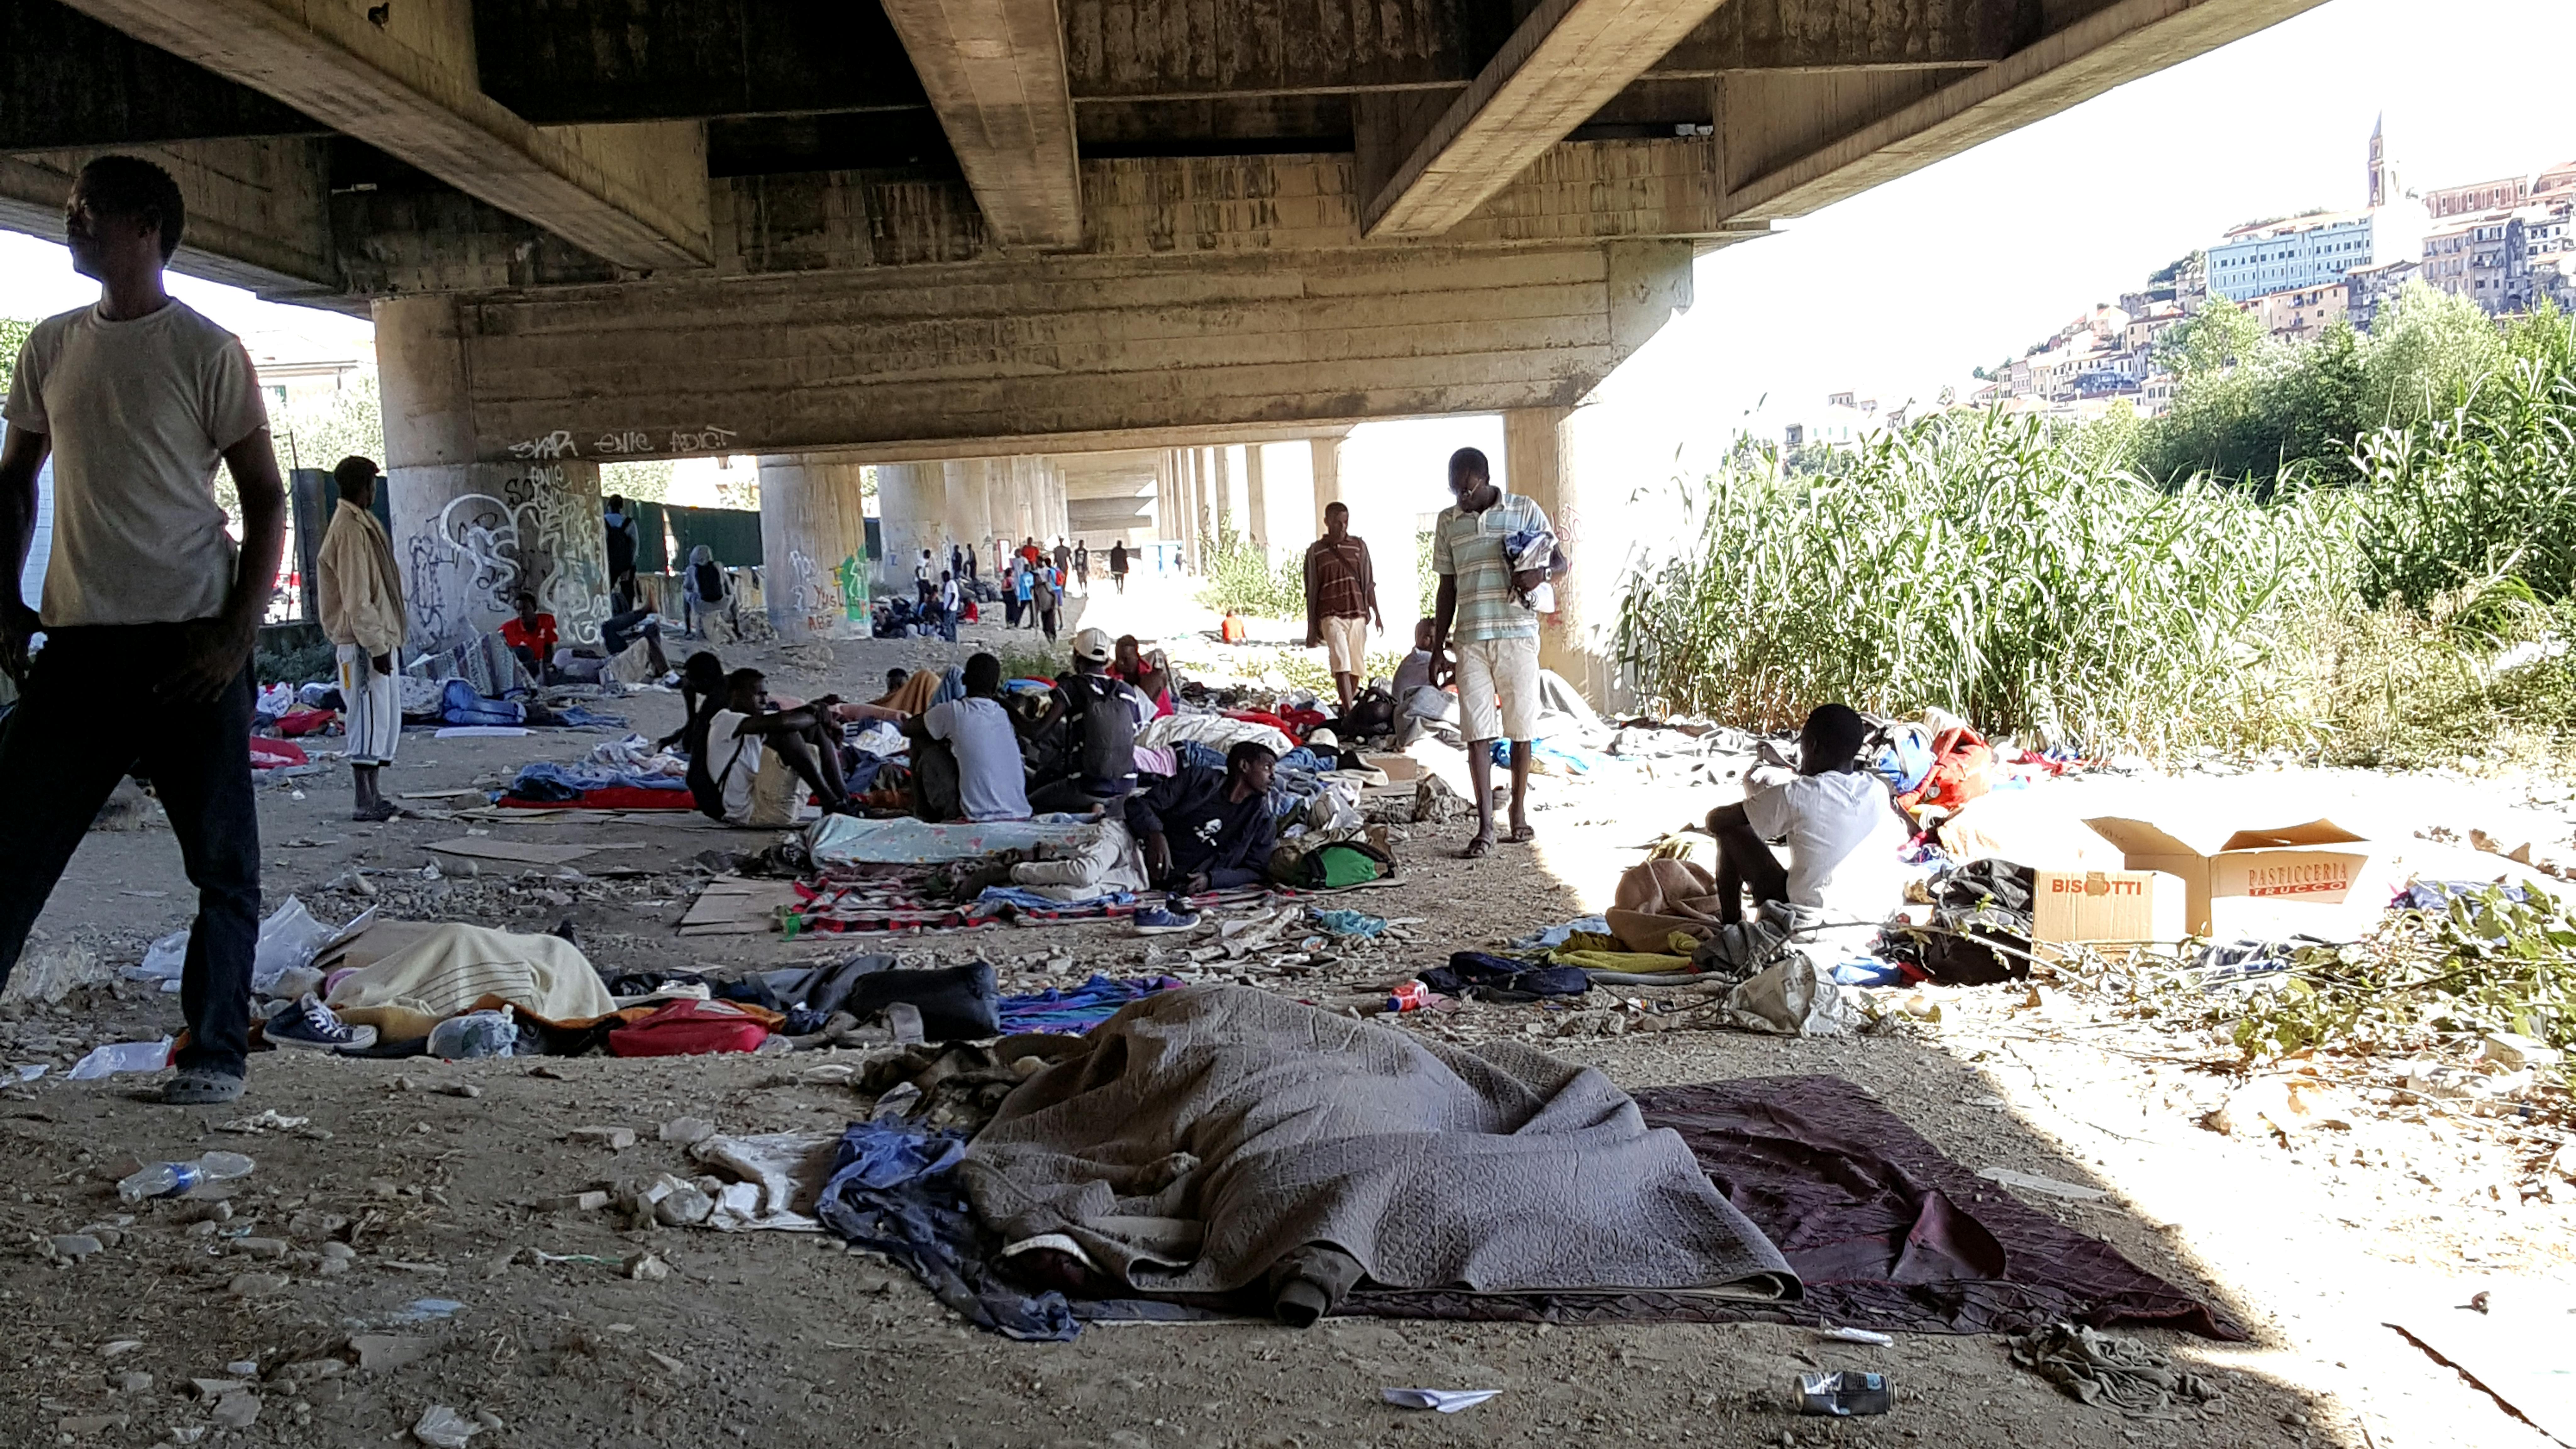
1794,997
123,1056
163,961
289,939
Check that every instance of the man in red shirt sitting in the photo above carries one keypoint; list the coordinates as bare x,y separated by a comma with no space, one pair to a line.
531,636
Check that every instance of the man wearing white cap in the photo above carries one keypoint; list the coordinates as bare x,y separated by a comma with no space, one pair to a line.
1100,716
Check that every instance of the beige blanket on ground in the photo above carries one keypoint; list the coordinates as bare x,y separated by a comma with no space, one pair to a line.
1657,898
1201,1135
451,966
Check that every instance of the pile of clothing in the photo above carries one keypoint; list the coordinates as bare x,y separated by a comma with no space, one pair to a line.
626,774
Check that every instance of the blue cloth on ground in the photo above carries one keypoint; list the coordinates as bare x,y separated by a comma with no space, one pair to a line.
1031,900
590,719
580,777
1903,761
458,704
1191,752
1866,971
1071,1013
1550,937
894,1189
1348,923
1544,749
1504,977
2437,895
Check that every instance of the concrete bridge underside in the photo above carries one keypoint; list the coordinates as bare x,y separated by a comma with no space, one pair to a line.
1013,250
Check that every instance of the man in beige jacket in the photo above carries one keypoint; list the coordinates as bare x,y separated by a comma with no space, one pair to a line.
362,615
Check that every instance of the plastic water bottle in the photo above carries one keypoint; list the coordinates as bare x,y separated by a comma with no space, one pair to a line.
475,1034
172,1179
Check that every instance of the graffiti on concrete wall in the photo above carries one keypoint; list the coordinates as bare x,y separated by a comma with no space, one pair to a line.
706,438
482,550
853,575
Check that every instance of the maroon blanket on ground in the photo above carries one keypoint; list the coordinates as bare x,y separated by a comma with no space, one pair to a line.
1883,1229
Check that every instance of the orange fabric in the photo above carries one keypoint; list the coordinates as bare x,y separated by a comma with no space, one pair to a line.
1962,769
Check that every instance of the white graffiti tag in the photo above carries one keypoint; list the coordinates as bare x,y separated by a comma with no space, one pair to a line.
557,444
498,543
709,439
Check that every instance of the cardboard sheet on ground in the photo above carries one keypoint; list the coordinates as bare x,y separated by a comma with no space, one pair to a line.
733,905
518,852
2517,1350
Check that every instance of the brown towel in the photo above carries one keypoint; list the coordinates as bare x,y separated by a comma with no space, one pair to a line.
1657,898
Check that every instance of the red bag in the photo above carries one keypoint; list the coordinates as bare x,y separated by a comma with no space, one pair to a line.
688,1029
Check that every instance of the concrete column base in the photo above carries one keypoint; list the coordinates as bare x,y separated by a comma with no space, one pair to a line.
1578,640
912,508
469,538
813,540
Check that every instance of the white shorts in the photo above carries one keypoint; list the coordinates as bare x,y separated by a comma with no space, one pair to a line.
1498,688
371,707
1345,645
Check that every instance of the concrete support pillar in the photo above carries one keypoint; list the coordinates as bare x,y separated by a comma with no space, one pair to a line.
813,547
912,509
1256,500
1221,460
970,507
470,536
1166,485
1058,512
1539,460
1327,455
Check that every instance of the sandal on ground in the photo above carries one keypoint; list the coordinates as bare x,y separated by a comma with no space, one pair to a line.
201,1087
1478,848
1520,835
382,810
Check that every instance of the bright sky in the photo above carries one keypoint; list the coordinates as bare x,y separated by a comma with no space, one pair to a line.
1905,288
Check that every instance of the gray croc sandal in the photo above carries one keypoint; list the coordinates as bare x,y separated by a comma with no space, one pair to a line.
201,1087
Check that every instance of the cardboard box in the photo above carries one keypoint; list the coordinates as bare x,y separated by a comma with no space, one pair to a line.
2314,877
2068,906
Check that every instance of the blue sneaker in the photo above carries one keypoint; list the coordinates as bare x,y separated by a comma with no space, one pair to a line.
1163,921
308,1023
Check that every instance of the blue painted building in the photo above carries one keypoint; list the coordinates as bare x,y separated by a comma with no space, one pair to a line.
2306,251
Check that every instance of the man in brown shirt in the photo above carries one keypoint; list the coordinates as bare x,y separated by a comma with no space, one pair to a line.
1341,601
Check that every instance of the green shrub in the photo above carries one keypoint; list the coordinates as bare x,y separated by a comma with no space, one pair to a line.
1982,565
1242,579
2488,489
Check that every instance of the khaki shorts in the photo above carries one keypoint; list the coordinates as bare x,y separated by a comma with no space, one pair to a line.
1346,646
1498,688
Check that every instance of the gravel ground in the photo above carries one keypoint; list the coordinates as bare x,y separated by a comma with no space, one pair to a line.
289,1310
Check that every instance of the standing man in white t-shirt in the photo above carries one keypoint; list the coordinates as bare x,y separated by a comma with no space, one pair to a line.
149,612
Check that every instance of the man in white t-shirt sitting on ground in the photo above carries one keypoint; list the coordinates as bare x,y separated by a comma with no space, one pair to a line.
972,740
756,757
1844,874
149,611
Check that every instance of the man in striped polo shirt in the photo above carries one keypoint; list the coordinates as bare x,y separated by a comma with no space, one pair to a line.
1495,634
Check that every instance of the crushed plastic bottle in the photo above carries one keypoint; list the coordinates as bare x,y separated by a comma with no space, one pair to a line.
475,1034
173,1179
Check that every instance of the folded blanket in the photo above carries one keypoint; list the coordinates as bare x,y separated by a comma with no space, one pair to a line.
1202,1136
